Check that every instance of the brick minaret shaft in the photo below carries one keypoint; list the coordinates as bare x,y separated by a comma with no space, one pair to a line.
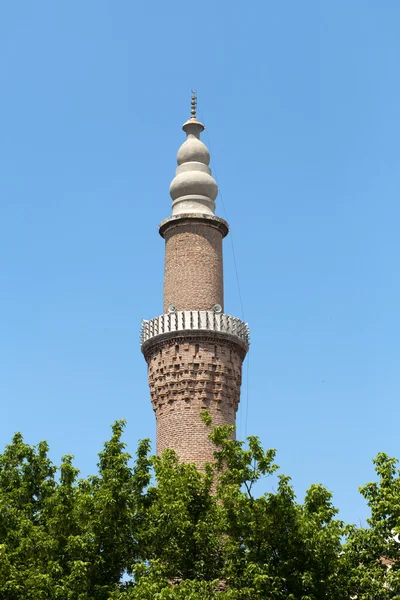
194,351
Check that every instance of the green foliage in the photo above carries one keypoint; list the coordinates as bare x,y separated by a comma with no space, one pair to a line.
373,553
156,529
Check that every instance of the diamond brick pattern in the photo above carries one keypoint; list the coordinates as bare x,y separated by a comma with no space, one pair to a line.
187,376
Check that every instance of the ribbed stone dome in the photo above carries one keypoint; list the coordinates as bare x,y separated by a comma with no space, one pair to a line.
193,190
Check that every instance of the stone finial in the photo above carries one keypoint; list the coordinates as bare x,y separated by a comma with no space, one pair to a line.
193,104
193,190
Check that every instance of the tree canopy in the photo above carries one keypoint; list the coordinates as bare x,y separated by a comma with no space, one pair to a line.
155,529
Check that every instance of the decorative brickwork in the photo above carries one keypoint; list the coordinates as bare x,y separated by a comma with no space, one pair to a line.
187,376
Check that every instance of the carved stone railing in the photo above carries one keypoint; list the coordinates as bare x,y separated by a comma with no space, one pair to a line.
195,320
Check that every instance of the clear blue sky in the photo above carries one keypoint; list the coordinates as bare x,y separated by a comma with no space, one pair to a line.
301,102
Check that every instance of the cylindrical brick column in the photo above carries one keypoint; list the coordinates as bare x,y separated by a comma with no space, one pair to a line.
189,374
193,277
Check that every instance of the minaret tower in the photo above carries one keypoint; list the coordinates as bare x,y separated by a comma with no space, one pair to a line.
194,351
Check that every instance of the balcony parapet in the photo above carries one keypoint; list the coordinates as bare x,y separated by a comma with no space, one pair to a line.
194,322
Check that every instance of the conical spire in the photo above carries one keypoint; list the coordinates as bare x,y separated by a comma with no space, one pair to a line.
193,190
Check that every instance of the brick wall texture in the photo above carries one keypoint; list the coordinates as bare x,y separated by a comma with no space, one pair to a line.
193,278
187,376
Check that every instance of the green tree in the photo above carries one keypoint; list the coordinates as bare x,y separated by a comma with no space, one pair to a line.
266,547
156,529
64,537
373,552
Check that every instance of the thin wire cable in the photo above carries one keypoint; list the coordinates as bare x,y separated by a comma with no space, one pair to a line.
238,286
246,414
231,234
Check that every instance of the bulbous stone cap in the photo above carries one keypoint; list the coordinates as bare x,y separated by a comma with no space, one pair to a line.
193,150
194,182
176,220
193,188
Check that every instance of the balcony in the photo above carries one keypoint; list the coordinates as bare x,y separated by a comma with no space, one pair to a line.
195,321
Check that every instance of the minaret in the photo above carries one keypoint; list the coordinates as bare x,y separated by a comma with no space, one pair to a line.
194,351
